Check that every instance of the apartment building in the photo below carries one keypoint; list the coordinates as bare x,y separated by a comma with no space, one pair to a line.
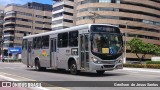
136,18
1,30
22,20
63,14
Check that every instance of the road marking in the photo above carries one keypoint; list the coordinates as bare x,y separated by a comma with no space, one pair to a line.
133,72
8,78
35,88
8,68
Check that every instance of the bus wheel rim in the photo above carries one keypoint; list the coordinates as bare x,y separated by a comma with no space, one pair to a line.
73,68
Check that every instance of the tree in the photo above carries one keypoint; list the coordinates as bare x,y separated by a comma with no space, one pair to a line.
137,46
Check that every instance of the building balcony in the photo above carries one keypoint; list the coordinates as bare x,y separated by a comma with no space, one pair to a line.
61,2
9,16
9,22
6,35
9,29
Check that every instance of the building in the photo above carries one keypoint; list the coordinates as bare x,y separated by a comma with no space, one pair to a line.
22,20
1,30
136,18
63,14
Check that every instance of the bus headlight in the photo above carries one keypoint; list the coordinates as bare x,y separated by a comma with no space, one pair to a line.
95,60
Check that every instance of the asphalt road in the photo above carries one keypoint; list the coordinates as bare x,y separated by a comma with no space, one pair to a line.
20,72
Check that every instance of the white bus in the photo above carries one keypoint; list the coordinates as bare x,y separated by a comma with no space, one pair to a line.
90,47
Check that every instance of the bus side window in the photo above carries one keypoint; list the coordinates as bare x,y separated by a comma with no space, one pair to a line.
73,38
63,39
34,43
37,43
45,42
24,44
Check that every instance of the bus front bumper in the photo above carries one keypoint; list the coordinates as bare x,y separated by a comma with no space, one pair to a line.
94,66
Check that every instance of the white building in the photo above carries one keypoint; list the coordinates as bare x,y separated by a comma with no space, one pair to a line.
63,14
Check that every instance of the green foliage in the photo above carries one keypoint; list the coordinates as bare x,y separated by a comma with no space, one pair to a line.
153,62
134,65
137,46
153,66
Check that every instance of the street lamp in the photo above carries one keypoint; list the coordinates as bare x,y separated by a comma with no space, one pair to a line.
95,15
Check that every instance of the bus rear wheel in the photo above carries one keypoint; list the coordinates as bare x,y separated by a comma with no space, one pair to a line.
38,67
73,68
100,72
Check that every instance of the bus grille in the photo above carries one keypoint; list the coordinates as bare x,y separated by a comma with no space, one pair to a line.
108,66
108,62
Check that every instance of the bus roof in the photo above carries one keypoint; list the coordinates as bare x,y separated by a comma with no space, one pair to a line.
80,27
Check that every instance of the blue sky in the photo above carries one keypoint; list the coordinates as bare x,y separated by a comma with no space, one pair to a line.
5,2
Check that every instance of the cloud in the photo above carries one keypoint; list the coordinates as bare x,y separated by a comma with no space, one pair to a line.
5,2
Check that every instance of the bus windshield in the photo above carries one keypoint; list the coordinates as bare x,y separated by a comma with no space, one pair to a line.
106,40
106,43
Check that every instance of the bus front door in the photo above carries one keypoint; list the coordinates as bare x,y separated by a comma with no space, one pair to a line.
84,53
29,45
53,52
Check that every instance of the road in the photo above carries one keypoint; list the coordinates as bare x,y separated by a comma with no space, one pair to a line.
19,71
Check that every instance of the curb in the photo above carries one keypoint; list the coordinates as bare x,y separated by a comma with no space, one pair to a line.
143,70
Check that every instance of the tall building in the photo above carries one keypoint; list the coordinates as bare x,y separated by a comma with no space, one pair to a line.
21,20
136,18
1,30
63,14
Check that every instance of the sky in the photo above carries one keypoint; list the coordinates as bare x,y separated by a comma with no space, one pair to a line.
5,2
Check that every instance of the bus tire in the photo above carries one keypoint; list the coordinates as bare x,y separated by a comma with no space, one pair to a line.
38,67
100,72
73,68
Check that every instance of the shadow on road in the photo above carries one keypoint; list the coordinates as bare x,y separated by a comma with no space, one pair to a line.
86,74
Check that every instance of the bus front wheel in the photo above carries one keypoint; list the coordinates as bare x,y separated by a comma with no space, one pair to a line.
73,68
100,72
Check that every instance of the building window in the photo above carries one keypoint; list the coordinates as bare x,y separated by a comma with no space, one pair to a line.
69,21
39,16
68,6
24,26
23,13
57,22
68,13
58,15
58,8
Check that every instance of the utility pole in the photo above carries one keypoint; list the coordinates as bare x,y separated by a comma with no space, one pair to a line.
125,45
95,15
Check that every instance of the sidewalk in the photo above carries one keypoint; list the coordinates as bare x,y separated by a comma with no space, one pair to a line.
142,69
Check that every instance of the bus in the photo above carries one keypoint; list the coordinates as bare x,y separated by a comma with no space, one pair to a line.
89,47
